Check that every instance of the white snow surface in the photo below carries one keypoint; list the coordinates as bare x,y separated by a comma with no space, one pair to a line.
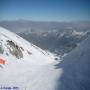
32,72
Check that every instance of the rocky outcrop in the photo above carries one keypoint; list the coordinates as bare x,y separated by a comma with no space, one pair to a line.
14,49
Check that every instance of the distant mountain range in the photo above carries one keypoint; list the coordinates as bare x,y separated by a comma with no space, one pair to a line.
57,42
19,26
57,37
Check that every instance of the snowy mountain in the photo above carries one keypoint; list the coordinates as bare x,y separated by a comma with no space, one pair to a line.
11,45
56,37
27,67
76,69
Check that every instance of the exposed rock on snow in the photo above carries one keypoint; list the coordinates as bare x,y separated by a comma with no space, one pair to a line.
14,49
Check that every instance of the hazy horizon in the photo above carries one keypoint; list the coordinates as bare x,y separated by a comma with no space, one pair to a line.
29,20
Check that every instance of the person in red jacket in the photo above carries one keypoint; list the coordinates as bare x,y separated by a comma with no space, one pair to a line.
2,62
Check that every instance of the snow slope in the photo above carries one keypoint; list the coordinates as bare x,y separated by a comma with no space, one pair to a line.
37,54
76,69
25,71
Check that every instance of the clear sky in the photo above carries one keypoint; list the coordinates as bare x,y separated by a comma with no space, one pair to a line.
45,10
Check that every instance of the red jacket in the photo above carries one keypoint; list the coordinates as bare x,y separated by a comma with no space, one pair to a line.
2,61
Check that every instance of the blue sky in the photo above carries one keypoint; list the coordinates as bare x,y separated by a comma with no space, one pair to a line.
45,10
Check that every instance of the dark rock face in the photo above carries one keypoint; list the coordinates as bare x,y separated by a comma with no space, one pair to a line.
14,49
1,48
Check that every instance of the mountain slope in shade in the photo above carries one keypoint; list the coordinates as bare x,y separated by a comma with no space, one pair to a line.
76,69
